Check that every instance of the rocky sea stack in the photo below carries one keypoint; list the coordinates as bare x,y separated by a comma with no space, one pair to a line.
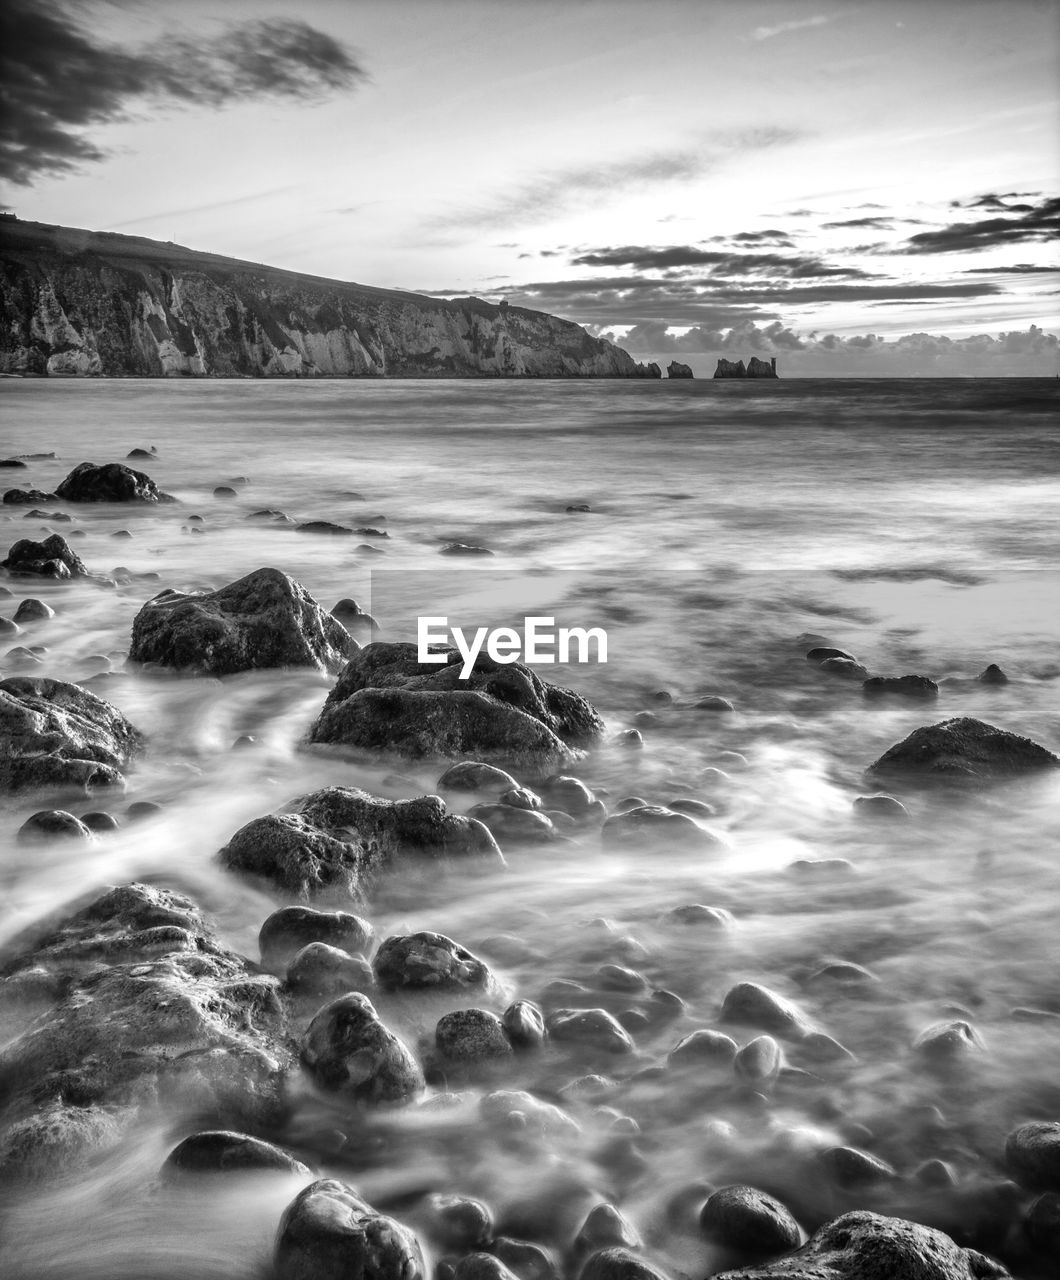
754,368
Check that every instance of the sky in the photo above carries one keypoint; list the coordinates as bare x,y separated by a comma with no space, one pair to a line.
866,187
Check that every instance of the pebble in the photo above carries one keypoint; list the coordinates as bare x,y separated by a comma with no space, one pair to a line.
52,824
697,913
32,610
753,1005
605,1226
704,1047
458,1223
852,1167
712,702
322,970
524,1024
594,1028
471,1035
750,1222
759,1061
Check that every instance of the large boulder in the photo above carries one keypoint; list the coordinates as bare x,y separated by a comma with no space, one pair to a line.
329,1233
54,734
430,962
348,1050
386,700
868,1246
338,840
132,1003
964,748
113,482
266,619
52,558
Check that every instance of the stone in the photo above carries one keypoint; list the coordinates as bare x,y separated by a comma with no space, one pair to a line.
965,748
54,734
605,1226
14,464
526,1261
290,929
511,825
386,700
852,1167
880,807
654,824
112,482
339,840
471,1035
823,652
992,675
712,702
524,1024
463,549
617,977
845,668
521,798
481,1266
703,1048
221,1151
517,1111
947,1043
52,824
1041,1225
348,1050
747,1220
329,1233
900,687
141,453
571,796
457,1223
472,775
100,823
1032,1151
319,526
265,619
593,1028
362,626
618,1263
759,1062
753,1005
54,1139
142,810
694,808
31,610
52,558
675,369
27,497
432,962
325,971
697,913
9,628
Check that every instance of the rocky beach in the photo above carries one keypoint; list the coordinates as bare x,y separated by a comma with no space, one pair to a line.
734,956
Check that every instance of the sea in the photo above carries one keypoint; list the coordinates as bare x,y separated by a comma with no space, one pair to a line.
715,531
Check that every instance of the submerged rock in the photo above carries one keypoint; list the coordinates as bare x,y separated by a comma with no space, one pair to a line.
347,1049
868,1246
290,929
756,1006
430,961
386,700
52,824
265,619
361,625
112,482
471,1035
472,775
221,1151
52,558
31,610
1033,1153
54,734
965,748
900,687
749,1221
651,824
323,971
593,1028
27,497
338,840
329,1233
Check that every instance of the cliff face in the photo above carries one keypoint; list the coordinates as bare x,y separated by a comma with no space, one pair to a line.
755,368
88,303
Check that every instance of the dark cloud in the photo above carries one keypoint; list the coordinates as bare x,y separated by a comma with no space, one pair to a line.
58,81
653,258
1017,269
780,239
998,203
873,224
1040,223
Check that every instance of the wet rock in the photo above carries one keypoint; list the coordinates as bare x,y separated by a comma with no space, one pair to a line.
748,1221
221,1151
526,1261
617,977
571,796
1033,1154
604,1227
694,808
821,868
52,824
705,1048
362,626
112,482
457,1223
964,748
578,508
432,962
880,807
141,810
845,668
521,798
935,1173
713,702
852,1167
753,1005
269,515
385,700
225,492
675,369
54,1139
471,1035
759,1062
52,558
653,824
347,1049
868,1246
27,497
481,1266
697,913
992,675
594,1028
339,840
31,610
946,1043
511,825
471,775
9,628
329,1233
821,653
100,823
14,464
265,619
322,527
290,929
524,1024
617,1263
321,970
630,738
516,1111
1041,1225
463,549
842,973
900,687
141,453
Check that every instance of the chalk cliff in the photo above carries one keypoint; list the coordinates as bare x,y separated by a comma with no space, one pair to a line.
90,303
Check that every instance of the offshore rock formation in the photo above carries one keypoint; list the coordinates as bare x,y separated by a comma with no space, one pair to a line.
675,369
86,303
755,368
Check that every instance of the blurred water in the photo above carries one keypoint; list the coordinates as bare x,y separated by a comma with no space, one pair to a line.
912,523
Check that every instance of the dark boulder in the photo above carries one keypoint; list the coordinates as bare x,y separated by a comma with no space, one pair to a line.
750,1004
321,527
338,840
964,748
749,1221
868,1246
322,972
113,482
524,1024
362,626
457,1223
511,824
1033,1154
149,454
992,675
52,824
265,619
31,610
27,497
52,558
290,929
591,1028
329,1233
853,1168
14,464
900,687
386,700
470,775
845,668
221,1151
823,652
347,1049
430,962
54,734
703,1048
471,1035
759,1062
618,1263
654,824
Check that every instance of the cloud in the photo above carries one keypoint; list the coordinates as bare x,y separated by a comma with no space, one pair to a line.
997,203
873,224
780,239
1041,223
782,28
549,193
58,82
652,258
1017,269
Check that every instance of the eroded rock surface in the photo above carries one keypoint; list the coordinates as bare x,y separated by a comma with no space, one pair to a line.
965,748
52,558
348,1049
112,482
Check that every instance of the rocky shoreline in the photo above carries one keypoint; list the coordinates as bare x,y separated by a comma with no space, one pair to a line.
308,1061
